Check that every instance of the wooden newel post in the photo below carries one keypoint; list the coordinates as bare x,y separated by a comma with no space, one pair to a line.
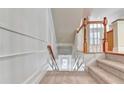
85,36
105,42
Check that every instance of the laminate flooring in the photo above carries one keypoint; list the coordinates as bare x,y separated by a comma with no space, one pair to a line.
67,77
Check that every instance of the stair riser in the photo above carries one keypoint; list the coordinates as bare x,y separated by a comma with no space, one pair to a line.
115,57
112,70
96,77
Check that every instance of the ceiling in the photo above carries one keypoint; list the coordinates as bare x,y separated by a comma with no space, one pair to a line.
66,20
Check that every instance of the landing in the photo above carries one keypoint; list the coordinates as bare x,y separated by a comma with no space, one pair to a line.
67,77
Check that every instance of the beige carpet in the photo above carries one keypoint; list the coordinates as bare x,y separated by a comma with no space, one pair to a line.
67,77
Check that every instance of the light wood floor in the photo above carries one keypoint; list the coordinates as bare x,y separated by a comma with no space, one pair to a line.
67,77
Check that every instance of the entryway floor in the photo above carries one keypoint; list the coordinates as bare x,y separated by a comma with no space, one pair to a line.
67,77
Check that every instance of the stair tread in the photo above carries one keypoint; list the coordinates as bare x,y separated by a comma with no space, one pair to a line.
115,64
106,76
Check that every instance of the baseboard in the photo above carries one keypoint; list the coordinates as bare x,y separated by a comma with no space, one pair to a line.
41,75
36,76
118,49
121,48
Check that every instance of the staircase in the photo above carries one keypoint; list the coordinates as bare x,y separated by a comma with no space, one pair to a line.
107,71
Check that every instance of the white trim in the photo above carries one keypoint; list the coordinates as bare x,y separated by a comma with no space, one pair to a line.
65,44
22,34
118,49
22,53
36,77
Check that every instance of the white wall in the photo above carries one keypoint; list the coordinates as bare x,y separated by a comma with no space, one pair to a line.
118,28
115,35
23,59
121,35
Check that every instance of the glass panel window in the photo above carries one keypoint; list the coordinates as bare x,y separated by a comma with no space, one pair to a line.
95,37
91,41
91,35
64,63
95,26
91,26
95,34
95,42
98,35
99,25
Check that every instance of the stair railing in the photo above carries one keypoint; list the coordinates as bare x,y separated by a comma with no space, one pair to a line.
80,59
54,64
85,24
79,63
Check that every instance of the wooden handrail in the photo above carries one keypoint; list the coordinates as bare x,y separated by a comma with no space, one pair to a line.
54,63
80,27
50,51
78,30
115,53
110,31
95,22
